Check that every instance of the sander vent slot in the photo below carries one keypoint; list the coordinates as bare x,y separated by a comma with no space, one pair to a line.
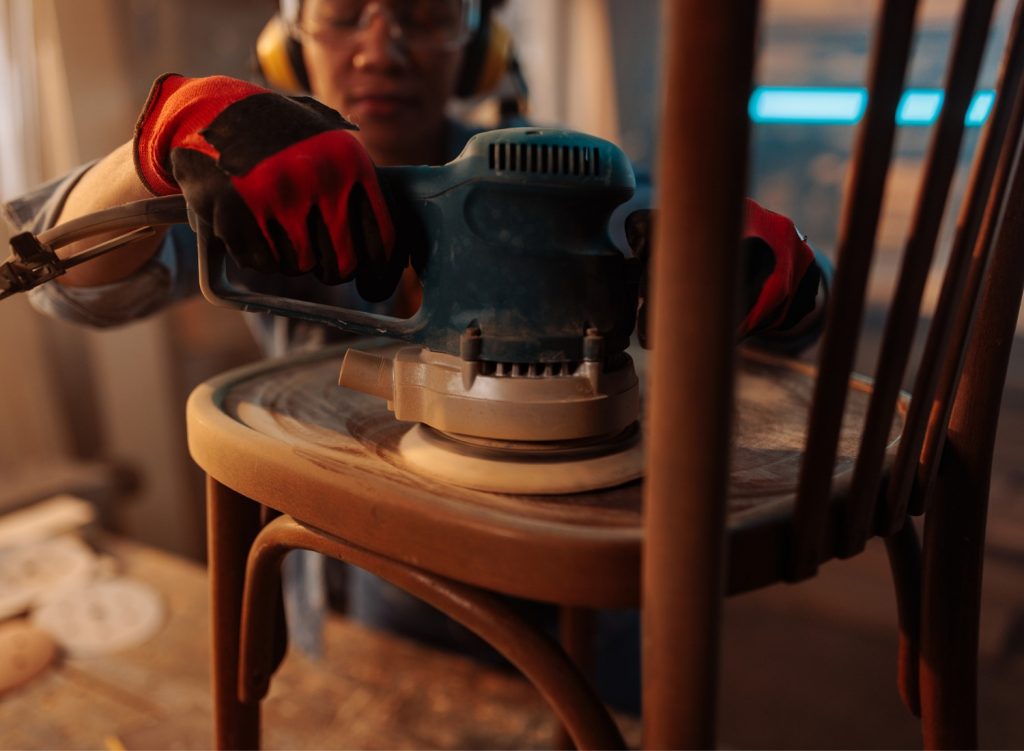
528,370
545,159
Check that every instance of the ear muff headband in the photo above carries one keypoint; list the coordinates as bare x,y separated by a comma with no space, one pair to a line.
485,59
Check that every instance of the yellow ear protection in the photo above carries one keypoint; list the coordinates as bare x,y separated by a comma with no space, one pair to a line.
486,58
279,57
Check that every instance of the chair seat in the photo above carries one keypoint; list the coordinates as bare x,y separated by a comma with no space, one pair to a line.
284,434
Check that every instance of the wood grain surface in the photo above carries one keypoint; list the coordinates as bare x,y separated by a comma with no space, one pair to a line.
301,405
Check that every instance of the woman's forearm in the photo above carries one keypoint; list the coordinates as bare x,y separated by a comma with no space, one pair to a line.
110,182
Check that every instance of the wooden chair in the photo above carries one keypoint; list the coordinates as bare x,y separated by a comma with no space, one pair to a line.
320,464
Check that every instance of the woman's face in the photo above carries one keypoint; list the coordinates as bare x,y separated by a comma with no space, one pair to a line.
395,92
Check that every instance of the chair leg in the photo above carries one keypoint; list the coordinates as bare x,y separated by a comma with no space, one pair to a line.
232,525
576,629
279,626
904,552
261,596
954,535
539,659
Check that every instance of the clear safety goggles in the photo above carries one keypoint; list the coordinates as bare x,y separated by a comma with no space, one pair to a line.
425,24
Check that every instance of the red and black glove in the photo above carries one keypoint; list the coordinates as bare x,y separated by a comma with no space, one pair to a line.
781,283
280,182
782,278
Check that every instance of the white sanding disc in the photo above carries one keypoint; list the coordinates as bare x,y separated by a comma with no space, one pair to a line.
104,616
25,652
29,574
520,474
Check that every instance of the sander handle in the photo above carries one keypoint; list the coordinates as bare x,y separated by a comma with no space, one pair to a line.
218,290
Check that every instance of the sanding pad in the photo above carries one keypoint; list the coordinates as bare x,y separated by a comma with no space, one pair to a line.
31,573
102,617
507,467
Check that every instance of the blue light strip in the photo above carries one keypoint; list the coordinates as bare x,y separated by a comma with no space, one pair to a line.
835,106
919,107
846,105
981,105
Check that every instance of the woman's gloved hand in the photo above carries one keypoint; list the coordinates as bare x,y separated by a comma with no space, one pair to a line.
280,182
782,278
781,282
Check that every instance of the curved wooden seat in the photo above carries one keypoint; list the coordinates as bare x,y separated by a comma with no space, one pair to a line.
284,434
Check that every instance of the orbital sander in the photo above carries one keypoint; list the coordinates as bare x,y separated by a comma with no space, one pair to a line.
516,374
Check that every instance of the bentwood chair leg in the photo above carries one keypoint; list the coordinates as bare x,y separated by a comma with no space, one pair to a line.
904,550
536,656
259,598
954,535
278,627
232,524
576,631
263,635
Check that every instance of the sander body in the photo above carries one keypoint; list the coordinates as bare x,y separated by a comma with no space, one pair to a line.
516,372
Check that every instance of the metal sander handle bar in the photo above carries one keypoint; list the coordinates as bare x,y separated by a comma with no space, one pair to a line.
218,290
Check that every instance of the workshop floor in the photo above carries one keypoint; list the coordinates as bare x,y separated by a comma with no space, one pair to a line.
813,665
808,666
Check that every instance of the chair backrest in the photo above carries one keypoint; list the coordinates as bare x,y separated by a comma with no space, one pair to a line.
938,372
702,167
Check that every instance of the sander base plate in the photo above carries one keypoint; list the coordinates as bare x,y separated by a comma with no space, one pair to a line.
528,469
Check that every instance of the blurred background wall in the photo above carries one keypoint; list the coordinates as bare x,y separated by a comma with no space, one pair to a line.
79,396
74,73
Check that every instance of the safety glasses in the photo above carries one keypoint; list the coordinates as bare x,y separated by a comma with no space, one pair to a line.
423,24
